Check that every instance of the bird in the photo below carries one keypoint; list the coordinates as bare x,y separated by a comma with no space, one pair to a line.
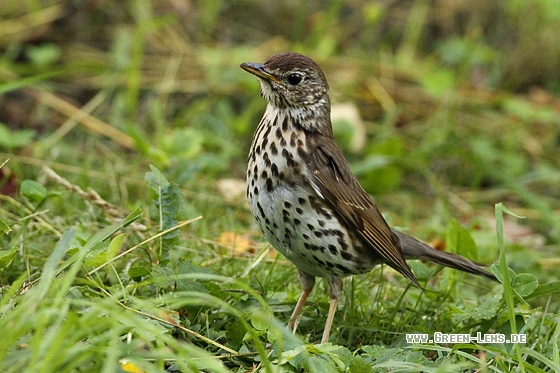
304,198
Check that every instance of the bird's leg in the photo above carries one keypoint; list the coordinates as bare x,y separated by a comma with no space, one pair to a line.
307,283
335,290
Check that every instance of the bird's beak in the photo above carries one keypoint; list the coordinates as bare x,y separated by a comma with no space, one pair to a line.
258,70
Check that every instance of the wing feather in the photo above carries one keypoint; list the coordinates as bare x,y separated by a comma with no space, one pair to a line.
334,183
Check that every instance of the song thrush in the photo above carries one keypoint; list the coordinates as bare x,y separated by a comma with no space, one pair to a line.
303,196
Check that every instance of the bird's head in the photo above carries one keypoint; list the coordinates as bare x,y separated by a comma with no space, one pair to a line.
292,81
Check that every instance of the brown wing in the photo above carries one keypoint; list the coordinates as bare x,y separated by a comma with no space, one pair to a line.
332,180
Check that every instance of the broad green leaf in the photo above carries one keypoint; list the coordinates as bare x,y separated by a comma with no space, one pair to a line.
260,319
114,246
102,253
33,191
484,311
497,271
96,255
138,271
6,256
358,365
156,180
459,240
168,199
524,284
5,227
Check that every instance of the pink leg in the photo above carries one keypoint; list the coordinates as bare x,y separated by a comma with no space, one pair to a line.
307,283
335,290
330,317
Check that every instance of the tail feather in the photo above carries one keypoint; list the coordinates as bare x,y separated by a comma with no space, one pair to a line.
414,249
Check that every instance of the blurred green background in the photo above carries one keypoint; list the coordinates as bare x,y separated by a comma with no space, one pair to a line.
453,101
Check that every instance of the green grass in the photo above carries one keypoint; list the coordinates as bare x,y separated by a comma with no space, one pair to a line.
118,123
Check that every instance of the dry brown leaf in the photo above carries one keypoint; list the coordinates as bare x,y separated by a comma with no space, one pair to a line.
238,243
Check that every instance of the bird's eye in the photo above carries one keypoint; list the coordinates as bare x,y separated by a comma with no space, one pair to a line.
295,78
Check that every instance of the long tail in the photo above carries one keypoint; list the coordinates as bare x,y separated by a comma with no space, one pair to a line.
414,249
